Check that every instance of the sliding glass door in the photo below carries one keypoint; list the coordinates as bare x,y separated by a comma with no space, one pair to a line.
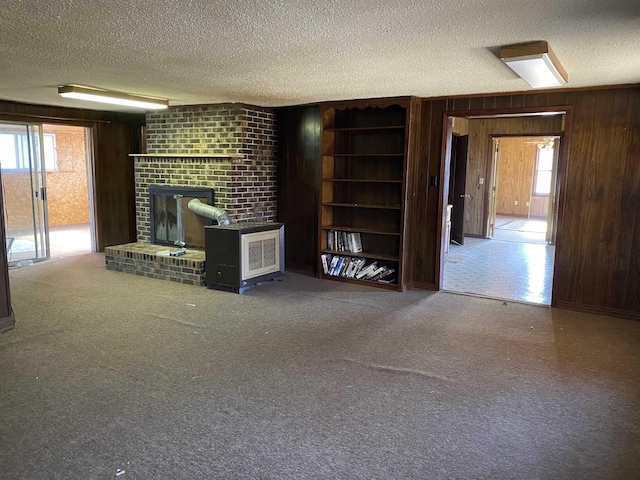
23,151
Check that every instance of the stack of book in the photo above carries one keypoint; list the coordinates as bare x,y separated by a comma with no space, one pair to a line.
344,241
359,268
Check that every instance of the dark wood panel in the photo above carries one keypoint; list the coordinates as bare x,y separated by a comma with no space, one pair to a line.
115,188
601,205
503,101
299,142
626,267
418,174
7,319
433,218
412,221
569,255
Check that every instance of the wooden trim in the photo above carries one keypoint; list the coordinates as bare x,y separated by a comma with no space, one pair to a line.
535,91
421,286
561,182
596,310
26,118
7,320
506,112
524,135
7,323
445,160
381,102
362,283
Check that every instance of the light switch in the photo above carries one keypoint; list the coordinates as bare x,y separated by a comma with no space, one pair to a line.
481,181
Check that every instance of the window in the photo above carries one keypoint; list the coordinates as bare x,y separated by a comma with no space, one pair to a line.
542,174
14,151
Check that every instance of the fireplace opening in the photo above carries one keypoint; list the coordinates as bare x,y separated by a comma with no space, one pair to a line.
168,206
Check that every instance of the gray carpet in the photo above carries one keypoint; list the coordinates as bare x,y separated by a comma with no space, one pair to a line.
107,372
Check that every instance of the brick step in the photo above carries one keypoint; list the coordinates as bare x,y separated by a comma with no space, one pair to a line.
142,259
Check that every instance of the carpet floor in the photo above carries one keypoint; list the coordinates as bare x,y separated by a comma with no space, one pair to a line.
109,375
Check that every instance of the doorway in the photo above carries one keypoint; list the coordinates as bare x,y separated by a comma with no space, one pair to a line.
507,205
46,181
523,199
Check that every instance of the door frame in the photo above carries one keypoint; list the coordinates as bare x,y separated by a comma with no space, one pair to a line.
445,157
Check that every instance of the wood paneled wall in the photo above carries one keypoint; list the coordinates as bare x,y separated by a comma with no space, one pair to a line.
116,135
597,265
299,136
516,164
539,206
7,319
479,166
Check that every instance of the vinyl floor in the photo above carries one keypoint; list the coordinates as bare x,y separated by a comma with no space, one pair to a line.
514,265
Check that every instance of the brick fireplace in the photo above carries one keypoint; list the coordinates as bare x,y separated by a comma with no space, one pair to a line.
229,148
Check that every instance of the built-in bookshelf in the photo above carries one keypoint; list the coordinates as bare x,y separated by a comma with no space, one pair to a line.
364,160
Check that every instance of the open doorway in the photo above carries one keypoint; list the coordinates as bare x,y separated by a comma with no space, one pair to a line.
69,192
523,200
503,183
46,176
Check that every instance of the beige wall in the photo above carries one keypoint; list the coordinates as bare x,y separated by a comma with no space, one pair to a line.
67,188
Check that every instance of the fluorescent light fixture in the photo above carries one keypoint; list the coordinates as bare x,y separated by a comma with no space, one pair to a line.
535,63
113,98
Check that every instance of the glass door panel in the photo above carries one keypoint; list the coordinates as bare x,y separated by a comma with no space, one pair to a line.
24,189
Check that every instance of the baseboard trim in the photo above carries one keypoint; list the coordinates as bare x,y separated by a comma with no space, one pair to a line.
420,286
612,312
7,323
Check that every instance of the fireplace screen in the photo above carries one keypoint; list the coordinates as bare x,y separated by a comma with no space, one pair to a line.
165,204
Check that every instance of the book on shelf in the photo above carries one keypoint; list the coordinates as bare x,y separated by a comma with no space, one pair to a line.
355,242
333,264
363,274
326,261
344,261
388,276
358,268
373,276
341,241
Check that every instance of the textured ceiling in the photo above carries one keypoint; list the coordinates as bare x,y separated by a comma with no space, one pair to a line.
285,52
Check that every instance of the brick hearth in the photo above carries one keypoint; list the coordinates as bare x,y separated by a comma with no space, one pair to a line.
142,259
